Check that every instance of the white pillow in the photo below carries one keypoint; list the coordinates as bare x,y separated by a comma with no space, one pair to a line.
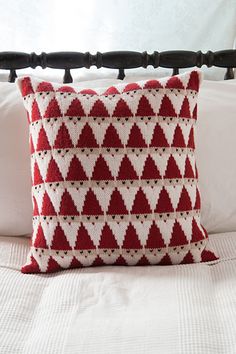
216,154
215,142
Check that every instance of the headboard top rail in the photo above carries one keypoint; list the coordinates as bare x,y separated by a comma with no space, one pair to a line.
121,60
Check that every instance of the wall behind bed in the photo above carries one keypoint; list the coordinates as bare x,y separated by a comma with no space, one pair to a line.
92,25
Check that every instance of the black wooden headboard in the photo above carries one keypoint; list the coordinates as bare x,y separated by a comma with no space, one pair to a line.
120,60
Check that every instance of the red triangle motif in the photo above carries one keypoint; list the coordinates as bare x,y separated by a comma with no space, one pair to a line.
76,171
197,234
98,262
185,110
107,240
63,140
75,263
188,258
26,87
165,260
33,267
166,109
37,175
67,205
141,205
111,138
101,171
144,108
194,114
136,138
83,241
59,241
91,205
75,109
116,205
197,205
193,83
43,143
53,266
35,113
178,237
122,109
45,87
164,204
36,210
87,138
120,261
40,241
99,110
152,84
53,110
159,138
174,83
150,170
172,170
188,172
208,256
126,171
47,206
178,140
53,172
191,143
184,201
155,239
143,261
131,240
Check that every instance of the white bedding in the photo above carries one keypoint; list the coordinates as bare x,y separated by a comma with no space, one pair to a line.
187,309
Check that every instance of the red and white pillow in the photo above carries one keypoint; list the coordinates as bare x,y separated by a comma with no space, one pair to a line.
114,174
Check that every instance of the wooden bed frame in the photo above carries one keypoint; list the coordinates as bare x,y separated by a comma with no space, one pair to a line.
120,60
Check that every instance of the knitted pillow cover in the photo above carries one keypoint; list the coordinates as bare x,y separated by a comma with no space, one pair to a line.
114,175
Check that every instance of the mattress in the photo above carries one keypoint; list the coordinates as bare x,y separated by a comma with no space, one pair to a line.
180,309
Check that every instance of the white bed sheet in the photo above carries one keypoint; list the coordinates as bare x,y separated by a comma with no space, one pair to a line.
187,309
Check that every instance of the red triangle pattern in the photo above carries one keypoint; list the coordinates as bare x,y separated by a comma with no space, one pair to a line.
112,139
155,239
117,205
76,171
35,114
87,138
83,240
122,109
144,108
53,110
63,140
75,109
67,205
101,171
131,240
43,143
47,207
91,205
59,241
53,172
107,240
99,110
159,138
140,221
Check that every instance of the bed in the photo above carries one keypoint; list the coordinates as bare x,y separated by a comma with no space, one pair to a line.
147,309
